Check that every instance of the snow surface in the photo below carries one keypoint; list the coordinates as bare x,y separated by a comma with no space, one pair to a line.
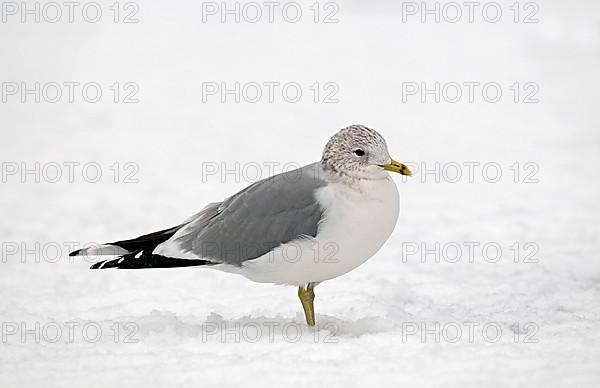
199,327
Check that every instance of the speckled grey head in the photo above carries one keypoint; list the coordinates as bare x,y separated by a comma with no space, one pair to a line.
359,152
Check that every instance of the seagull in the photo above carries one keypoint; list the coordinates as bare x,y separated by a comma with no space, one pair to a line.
297,228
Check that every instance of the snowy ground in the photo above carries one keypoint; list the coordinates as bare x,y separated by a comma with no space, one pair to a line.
532,323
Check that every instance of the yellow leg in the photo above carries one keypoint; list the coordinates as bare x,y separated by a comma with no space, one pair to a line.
307,296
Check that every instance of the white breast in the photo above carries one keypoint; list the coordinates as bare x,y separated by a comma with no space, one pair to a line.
357,222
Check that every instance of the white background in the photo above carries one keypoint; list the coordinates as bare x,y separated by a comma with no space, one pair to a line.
171,135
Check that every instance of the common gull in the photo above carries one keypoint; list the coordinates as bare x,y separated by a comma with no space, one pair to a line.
298,228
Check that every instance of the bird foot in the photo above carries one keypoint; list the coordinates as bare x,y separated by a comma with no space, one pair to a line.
307,297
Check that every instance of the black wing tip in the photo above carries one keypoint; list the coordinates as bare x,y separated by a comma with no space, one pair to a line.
97,265
110,263
75,253
148,261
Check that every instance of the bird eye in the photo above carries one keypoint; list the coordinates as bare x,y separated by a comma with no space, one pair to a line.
359,152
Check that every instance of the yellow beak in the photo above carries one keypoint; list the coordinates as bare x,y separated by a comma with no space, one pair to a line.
396,167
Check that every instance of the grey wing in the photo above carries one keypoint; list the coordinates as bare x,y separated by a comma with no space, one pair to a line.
251,223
